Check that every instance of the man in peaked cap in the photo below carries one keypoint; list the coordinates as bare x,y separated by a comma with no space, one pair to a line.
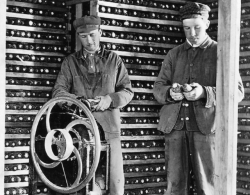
188,115
96,73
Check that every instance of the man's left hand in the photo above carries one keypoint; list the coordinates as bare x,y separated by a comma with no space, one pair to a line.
196,93
104,103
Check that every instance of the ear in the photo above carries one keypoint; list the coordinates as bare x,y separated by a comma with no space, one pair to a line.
207,24
100,31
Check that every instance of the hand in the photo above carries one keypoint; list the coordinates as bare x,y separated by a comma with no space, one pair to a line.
104,103
176,96
196,93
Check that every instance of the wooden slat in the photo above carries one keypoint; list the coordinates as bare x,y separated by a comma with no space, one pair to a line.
243,30
30,28
241,190
244,115
133,54
240,166
155,149
30,75
136,30
245,78
244,103
17,149
28,112
148,161
133,126
141,43
18,124
241,153
37,6
32,52
142,78
136,7
142,90
27,99
145,137
139,114
243,128
175,1
226,97
16,161
245,53
26,87
16,185
136,19
244,66
143,67
30,40
34,17
30,63
146,185
21,172
144,102
145,174
17,136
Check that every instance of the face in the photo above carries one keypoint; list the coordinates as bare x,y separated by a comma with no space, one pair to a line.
195,29
91,40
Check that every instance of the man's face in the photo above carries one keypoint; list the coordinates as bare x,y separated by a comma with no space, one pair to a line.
91,40
195,29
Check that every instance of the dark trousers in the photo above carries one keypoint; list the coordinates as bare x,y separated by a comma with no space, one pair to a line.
184,149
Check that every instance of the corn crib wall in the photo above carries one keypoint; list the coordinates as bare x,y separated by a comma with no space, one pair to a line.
39,36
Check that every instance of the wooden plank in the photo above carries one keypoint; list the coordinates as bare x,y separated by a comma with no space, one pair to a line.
134,126
32,52
30,75
34,17
30,63
136,30
29,112
26,87
141,43
142,90
31,28
18,124
139,114
136,19
244,115
37,6
155,149
144,174
17,149
145,137
146,185
176,1
144,55
240,153
244,66
226,93
16,161
143,67
245,53
147,161
144,102
27,99
243,128
20,172
16,185
17,136
30,40
136,7
142,78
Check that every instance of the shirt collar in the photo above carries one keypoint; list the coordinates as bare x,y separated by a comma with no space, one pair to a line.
82,53
203,45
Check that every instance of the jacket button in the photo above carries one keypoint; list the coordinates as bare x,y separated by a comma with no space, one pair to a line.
182,119
187,118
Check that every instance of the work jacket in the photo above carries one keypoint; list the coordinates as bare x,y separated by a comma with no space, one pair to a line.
73,81
186,64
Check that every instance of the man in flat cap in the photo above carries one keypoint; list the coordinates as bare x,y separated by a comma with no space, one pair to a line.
186,86
96,73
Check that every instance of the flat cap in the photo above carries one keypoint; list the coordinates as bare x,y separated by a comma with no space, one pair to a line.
87,24
194,10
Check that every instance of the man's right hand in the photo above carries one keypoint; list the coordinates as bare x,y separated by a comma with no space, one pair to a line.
176,96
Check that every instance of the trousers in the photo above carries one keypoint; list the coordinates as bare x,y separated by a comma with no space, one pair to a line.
116,167
185,150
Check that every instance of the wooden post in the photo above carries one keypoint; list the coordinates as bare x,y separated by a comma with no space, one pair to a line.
226,95
2,90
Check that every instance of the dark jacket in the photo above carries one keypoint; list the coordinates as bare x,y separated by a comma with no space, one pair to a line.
73,81
184,64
